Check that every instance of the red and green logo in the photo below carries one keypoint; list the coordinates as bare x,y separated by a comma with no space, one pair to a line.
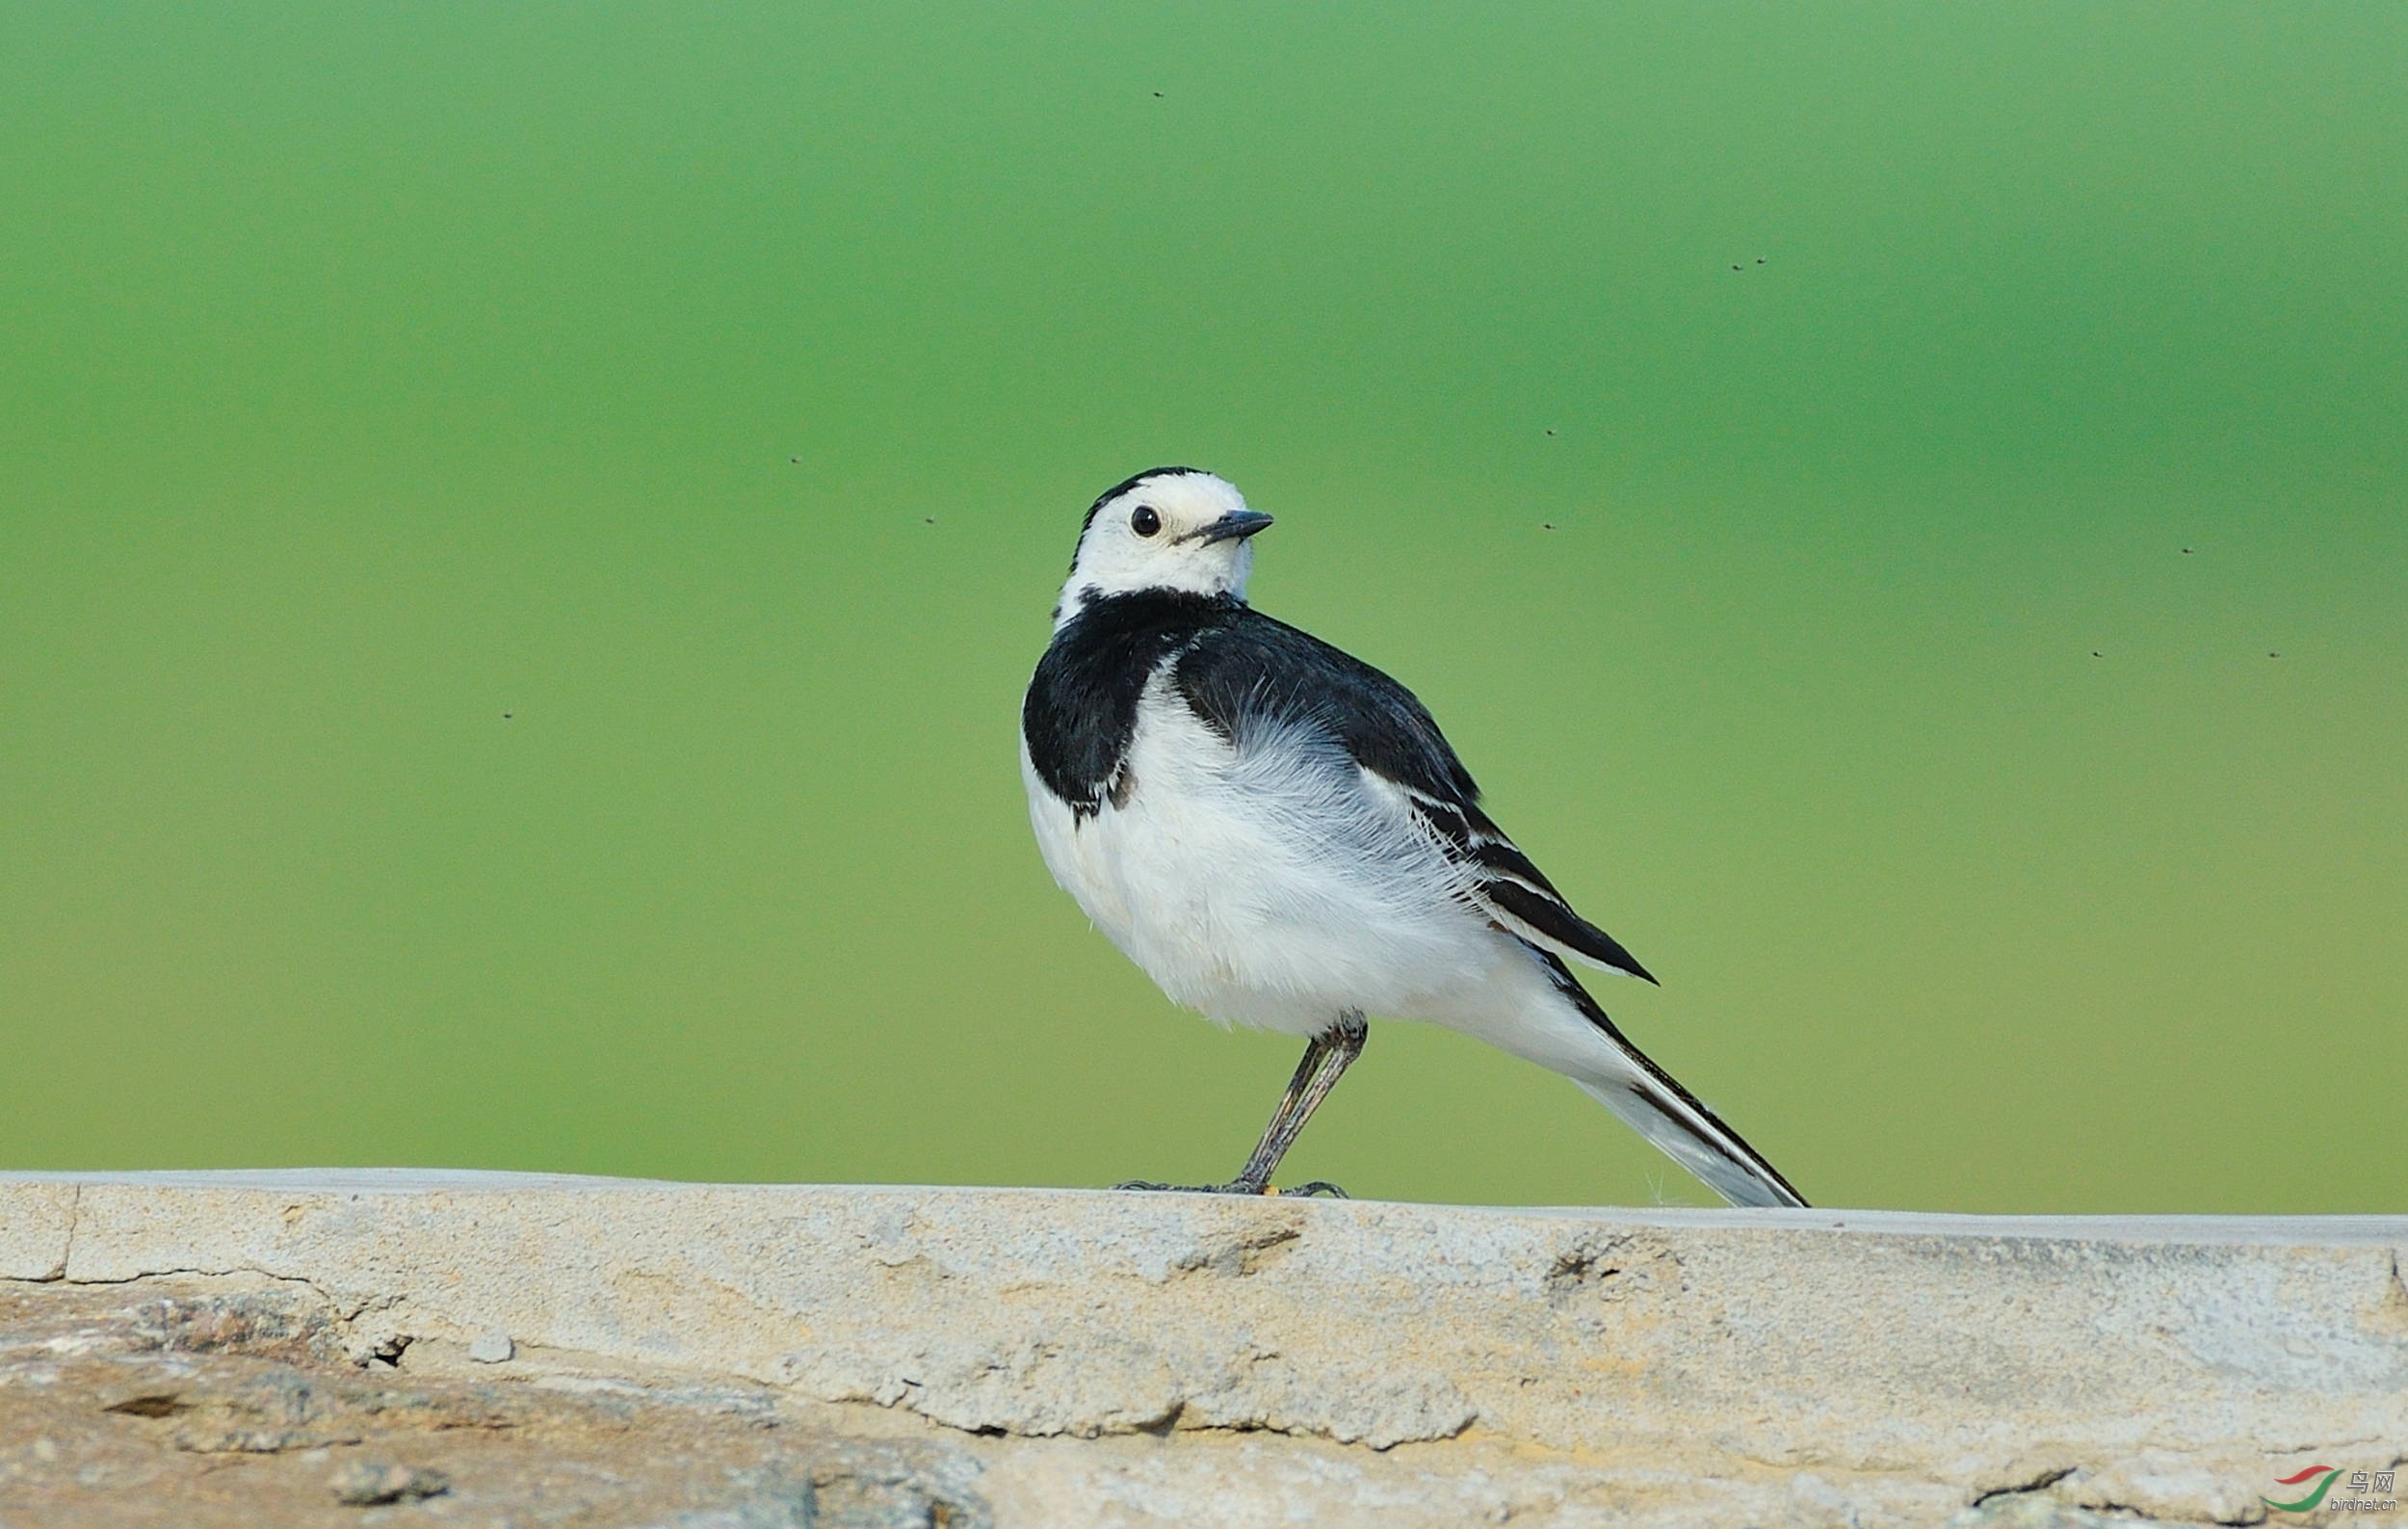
2308,1503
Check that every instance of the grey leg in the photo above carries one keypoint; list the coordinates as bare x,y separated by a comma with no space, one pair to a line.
1326,1059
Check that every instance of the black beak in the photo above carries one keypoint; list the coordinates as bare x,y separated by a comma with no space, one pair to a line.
1236,525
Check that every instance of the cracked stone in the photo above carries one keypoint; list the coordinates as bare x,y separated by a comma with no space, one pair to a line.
1100,1361
200,1408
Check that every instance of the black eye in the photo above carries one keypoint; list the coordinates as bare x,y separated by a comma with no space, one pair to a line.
1144,521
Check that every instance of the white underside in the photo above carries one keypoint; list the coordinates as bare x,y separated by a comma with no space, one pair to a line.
1282,887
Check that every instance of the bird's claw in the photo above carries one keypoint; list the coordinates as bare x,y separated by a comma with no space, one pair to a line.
1240,1186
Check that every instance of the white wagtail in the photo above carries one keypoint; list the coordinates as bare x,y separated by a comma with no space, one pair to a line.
1280,836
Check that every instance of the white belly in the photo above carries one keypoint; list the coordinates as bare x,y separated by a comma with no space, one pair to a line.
1280,887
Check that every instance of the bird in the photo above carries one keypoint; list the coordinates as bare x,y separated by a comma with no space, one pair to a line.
1278,834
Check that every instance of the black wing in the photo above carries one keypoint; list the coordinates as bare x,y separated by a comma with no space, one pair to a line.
1256,671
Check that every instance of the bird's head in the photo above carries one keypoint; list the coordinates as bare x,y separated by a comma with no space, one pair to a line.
1174,528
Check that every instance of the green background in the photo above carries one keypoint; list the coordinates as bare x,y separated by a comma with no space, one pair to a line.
522,530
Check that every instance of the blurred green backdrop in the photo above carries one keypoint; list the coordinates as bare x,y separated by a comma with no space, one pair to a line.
522,529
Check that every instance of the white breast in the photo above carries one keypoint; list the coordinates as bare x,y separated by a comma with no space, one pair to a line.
1276,885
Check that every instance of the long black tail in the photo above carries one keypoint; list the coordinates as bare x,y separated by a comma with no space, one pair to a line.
1652,1102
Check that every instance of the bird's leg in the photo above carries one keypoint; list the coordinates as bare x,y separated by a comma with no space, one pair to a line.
1325,1057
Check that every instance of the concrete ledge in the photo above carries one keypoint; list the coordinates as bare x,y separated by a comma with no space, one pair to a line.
1906,1368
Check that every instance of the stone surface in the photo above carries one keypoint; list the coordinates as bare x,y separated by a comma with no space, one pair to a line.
35,1218
228,1402
372,1482
1089,1357
492,1348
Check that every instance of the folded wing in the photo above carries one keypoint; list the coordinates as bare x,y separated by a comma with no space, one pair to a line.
1514,892
1257,673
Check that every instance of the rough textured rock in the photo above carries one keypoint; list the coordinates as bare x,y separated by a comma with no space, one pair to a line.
1071,1358
229,1401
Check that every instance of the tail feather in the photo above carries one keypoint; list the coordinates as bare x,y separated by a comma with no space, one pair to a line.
1652,1102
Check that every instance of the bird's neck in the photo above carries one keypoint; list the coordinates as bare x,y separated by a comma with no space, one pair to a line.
1080,594
1154,605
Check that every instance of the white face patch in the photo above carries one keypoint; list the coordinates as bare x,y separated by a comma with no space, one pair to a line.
1151,536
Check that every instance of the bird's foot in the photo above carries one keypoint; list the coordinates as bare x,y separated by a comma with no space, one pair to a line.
1240,1186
